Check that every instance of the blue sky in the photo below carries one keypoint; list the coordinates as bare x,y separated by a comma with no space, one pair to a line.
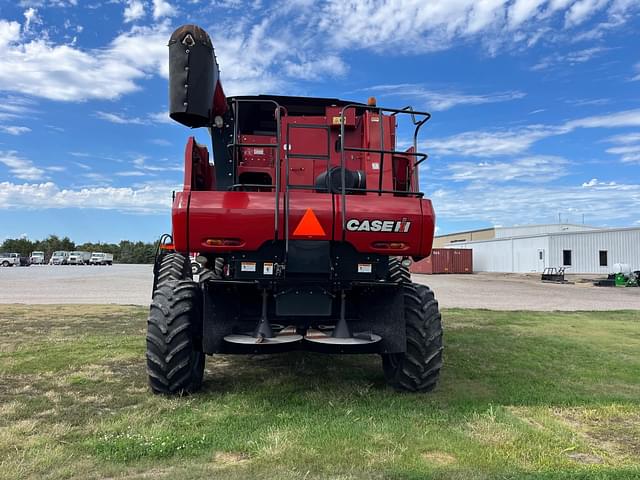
535,103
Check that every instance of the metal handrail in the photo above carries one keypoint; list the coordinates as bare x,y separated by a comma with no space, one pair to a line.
380,110
278,110
278,145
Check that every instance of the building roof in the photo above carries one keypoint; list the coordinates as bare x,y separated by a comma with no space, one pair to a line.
537,225
594,230
466,231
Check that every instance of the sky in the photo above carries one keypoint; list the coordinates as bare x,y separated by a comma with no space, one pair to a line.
535,103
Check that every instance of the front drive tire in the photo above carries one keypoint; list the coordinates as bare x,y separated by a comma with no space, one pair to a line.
174,362
417,369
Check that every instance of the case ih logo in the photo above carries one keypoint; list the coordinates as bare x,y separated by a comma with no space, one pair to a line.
355,225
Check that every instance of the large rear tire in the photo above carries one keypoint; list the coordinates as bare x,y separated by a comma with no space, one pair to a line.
417,369
175,363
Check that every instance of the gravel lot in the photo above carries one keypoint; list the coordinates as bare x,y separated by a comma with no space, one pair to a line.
131,285
121,284
500,291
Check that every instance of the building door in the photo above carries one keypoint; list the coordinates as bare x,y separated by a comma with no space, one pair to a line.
541,260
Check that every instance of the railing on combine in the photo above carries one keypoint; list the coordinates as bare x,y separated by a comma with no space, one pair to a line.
420,157
236,145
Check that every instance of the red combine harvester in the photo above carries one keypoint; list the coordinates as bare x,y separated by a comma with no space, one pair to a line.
305,223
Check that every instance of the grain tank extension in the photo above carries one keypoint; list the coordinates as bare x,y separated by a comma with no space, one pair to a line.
305,217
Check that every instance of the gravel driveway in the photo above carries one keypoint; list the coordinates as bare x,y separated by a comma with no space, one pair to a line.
131,284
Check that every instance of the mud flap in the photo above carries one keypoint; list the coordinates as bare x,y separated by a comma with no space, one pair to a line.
381,311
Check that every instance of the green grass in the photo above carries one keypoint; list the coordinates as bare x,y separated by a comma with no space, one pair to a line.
522,395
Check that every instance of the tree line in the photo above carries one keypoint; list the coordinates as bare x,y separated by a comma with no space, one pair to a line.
123,252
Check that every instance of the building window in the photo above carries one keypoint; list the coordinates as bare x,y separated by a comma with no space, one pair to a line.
566,258
603,258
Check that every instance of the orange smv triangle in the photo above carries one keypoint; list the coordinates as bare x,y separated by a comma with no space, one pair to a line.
309,226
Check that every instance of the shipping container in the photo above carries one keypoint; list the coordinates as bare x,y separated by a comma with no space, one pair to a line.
445,260
460,260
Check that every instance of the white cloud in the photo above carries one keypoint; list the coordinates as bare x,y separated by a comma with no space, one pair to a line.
417,25
602,202
626,118
131,173
490,143
569,59
160,142
124,119
133,11
160,117
627,147
532,169
19,167
625,138
141,164
637,69
120,119
162,8
518,140
62,72
31,17
523,10
14,130
316,69
145,198
9,31
582,10
443,100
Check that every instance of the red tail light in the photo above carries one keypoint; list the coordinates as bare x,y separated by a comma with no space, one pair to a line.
390,245
223,242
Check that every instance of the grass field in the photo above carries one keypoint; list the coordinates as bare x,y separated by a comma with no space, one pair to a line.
522,395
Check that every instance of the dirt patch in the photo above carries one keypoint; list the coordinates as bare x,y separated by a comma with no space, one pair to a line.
439,458
585,458
230,458
611,429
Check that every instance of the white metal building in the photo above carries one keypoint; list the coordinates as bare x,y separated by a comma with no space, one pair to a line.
579,248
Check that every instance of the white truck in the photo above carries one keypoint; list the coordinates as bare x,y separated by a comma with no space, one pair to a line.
100,258
79,258
59,257
37,258
10,259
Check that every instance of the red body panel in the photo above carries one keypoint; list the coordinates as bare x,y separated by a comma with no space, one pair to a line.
249,217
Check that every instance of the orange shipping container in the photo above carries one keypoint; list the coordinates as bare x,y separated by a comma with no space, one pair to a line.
445,260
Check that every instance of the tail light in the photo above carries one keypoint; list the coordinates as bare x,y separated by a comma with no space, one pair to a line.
390,245
223,242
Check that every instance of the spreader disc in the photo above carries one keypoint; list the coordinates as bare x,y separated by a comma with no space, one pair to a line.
251,340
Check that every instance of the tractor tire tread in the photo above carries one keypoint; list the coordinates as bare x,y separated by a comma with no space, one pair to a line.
418,369
175,366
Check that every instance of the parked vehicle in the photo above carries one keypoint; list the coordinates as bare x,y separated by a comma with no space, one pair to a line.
79,258
37,258
61,257
24,261
100,258
10,259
